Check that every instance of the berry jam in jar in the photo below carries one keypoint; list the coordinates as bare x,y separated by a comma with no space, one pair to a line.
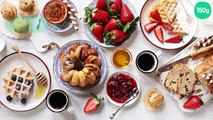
120,86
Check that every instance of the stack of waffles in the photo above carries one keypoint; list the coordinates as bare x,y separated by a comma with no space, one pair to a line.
166,9
18,83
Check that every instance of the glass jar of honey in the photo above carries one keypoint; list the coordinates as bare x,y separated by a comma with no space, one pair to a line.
121,58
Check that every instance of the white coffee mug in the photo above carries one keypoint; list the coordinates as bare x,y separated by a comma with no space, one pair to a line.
58,101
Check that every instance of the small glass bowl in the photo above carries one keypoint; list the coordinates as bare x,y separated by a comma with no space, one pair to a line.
125,52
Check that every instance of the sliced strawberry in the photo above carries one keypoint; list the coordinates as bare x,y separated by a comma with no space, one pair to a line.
150,26
101,4
193,102
96,15
174,39
167,27
155,15
92,104
115,37
159,34
97,31
126,14
113,24
116,5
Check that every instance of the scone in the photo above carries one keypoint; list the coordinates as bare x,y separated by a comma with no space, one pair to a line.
153,99
204,72
28,7
180,80
8,11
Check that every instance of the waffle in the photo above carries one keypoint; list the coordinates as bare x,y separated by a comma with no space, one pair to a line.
18,83
163,15
177,28
169,7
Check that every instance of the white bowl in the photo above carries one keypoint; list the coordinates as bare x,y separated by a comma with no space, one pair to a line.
120,104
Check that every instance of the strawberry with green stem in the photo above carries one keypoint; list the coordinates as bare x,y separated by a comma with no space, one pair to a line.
126,15
93,103
113,24
97,30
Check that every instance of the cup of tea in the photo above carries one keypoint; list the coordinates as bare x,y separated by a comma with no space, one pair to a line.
147,61
58,101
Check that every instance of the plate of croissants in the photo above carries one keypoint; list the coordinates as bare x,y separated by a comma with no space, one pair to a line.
80,66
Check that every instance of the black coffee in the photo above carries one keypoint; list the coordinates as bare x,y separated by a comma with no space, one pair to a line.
146,61
57,100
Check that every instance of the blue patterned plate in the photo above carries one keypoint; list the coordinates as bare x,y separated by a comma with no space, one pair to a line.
92,37
62,27
57,69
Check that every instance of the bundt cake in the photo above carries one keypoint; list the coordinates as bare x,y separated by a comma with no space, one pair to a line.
81,65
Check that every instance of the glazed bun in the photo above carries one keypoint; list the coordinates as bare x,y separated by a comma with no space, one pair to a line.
8,11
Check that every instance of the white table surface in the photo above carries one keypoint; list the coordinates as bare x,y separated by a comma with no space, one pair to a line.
136,111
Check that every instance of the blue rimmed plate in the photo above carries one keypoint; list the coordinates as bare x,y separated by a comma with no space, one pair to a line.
62,27
57,68
92,37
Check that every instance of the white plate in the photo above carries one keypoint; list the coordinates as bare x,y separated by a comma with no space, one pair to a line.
191,29
120,104
13,60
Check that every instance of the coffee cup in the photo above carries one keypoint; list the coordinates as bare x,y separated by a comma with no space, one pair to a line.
58,101
147,61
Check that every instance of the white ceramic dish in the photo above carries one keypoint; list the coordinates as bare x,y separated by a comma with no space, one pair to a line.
120,104
191,29
13,60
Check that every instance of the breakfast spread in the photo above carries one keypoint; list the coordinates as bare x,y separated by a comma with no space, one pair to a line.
120,86
28,7
111,23
8,11
81,65
18,84
153,99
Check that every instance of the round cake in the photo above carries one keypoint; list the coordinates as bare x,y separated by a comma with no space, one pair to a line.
81,65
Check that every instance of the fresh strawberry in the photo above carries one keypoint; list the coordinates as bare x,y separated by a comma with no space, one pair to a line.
96,15
154,14
113,24
126,14
150,26
159,34
193,102
174,39
115,37
116,5
167,26
101,4
92,103
97,31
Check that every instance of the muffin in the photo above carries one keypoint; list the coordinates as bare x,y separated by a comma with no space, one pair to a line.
8,11
21,26
28,7
153,99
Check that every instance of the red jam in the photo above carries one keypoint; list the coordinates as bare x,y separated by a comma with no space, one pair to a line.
120,86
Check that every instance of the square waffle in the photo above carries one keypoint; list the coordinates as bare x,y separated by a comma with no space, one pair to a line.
18,82
169,7
177,28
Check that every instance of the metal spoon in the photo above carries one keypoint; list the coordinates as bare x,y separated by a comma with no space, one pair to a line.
132,96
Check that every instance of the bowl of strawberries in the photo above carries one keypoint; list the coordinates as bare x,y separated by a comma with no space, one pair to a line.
110,23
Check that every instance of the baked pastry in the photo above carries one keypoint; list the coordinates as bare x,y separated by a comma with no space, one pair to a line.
204,72
18,83
177,28
169,7
81,65
8,11
180,80
21,27
28,7
153,99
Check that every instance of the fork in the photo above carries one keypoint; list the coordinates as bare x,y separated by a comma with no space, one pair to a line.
189,18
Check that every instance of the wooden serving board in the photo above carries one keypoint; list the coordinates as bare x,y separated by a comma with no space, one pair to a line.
198,88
